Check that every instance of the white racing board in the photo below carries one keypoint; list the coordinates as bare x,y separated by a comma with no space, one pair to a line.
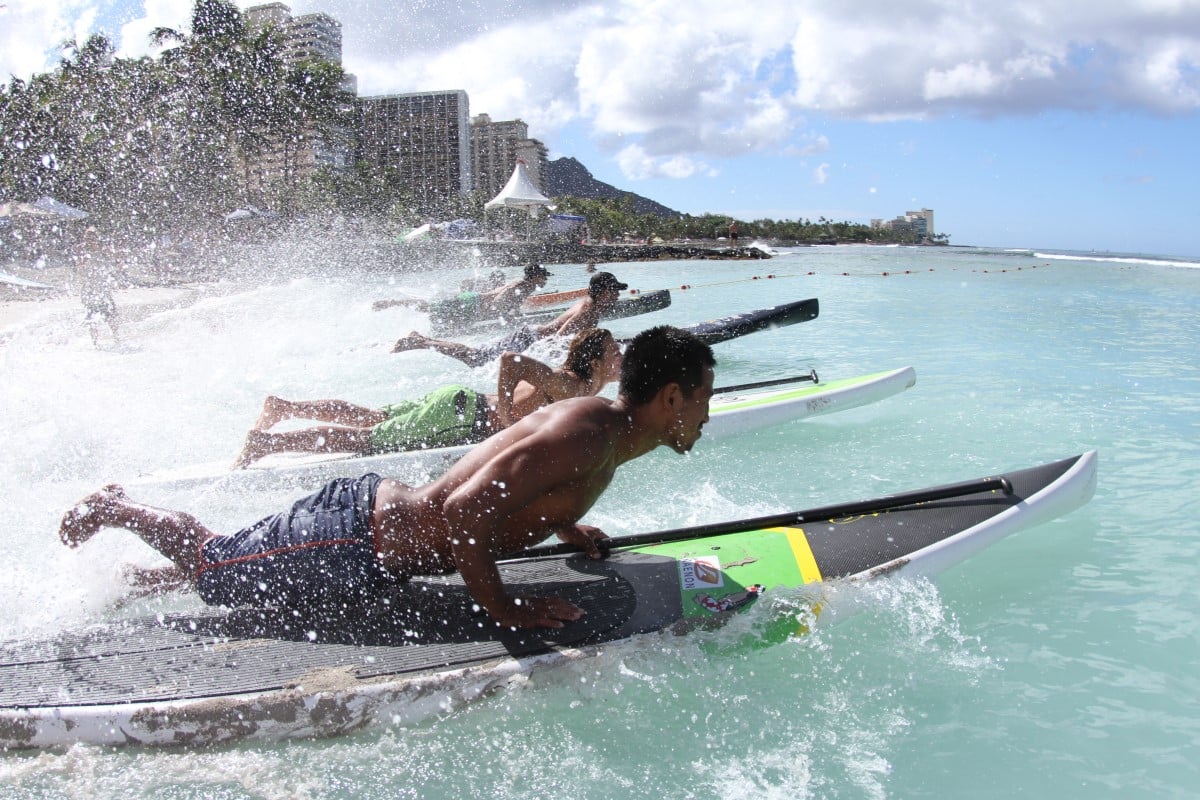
730,414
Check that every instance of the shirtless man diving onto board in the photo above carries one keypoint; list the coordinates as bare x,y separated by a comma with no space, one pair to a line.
534,479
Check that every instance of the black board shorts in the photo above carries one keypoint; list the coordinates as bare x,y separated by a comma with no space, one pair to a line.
517,342
319,551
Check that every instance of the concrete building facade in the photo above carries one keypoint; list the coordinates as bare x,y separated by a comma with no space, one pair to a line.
424,137
306,37
919,223
496,146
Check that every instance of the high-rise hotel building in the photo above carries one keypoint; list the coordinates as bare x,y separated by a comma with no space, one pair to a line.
425,137
495,149
306,37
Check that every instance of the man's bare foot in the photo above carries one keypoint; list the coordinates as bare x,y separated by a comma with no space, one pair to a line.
274,411
88,515
414,341
252,450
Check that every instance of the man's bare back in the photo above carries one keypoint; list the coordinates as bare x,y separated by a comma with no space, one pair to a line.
412,526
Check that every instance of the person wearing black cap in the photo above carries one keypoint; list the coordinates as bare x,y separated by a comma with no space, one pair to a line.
505,301
604,290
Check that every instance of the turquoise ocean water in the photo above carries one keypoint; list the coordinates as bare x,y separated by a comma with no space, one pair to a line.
1064,662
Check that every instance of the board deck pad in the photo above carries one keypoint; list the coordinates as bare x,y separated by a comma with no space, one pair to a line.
637,305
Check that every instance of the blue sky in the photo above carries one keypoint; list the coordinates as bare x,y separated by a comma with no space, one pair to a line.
1044,124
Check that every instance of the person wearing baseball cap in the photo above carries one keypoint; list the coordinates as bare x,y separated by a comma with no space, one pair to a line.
604,282
534,272
604,290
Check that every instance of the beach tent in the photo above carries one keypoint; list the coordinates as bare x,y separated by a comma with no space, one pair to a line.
519,192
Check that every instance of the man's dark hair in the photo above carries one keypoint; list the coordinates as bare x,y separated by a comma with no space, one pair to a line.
663,355
586,347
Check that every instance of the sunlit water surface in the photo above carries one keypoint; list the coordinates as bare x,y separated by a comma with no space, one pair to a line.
1060,663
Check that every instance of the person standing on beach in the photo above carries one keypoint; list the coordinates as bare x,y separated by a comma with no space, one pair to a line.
446,417
604,290
96,286
356,537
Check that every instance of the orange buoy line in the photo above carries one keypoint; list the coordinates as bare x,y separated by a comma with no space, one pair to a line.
768,276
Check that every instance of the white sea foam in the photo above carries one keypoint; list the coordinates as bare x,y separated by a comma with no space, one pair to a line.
1116,259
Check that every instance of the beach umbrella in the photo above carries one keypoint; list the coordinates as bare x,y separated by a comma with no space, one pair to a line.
417,233
249,212
14,209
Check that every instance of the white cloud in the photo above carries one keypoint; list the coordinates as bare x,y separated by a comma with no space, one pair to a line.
30,35
134,38
808,144
821,174
672,87
637,164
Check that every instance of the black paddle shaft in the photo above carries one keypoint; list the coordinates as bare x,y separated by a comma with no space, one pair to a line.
741,387
891,501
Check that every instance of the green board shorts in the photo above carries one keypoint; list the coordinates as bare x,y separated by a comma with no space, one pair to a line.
445,417
464,306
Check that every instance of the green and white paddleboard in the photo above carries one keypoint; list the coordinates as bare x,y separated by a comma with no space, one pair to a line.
191,679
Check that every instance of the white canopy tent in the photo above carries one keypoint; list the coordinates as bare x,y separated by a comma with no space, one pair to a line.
519,192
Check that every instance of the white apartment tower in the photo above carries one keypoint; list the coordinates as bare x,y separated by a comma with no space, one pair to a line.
306,37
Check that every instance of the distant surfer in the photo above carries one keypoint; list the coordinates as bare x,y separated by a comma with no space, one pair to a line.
453,415
472,304
604,290
357,536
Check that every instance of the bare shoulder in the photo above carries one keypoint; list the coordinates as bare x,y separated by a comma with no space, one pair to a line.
582,432
574,419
